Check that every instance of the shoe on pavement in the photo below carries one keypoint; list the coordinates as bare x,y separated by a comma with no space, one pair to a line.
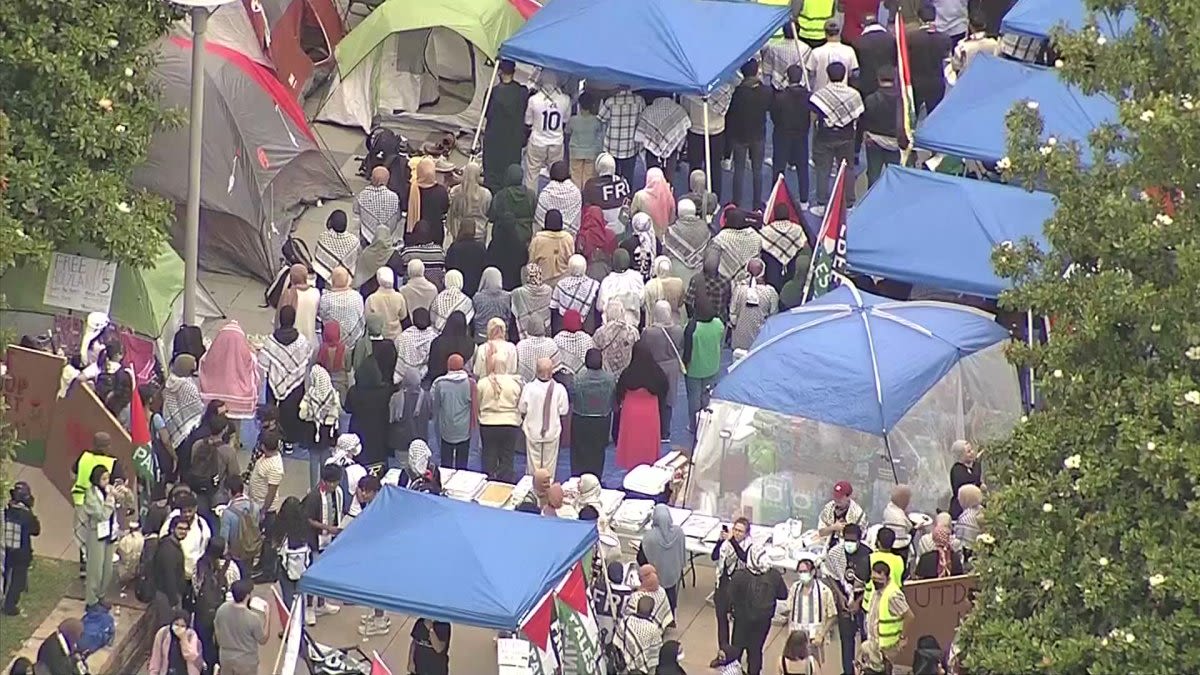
380,626
327,608
818,210
310,618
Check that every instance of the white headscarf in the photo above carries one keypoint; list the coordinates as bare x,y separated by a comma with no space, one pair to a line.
386,277
643,228
321,404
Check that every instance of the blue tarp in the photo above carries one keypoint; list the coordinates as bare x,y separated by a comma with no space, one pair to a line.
434,557
677,46
1037,18
815,361
970,121
936,230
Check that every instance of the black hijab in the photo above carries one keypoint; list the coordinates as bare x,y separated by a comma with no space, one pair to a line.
554,220
286,334
643,372
337,221
560,171
454,339
188,340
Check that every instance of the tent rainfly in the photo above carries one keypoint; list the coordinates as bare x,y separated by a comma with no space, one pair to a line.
261,160
857,387
484,567
398,65
970,121
1038,18
939,231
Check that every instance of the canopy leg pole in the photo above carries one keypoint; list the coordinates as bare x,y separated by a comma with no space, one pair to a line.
707,154
487,98
887,448
1030,340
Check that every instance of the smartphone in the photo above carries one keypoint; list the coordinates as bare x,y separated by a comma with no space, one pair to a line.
258,604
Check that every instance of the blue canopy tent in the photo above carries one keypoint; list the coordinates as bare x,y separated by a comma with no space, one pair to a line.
970,121
434,557
1037,18
939,231
676,46
858,387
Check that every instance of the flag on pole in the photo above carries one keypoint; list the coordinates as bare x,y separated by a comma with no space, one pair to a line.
378,667
139,435
907,112
829,255
281,608
581,653
781,195
536,629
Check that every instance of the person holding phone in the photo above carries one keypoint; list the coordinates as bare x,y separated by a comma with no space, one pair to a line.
241,630
429,652
730,555
176,649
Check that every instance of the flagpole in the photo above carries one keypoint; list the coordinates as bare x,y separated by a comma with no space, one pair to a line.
707,160
287,630
838,181
1029,339
487,98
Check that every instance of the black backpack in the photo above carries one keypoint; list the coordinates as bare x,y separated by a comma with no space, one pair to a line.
614,658
204,468
210,593
143,586
382,146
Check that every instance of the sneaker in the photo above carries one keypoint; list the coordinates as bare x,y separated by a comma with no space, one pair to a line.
327,608
727,165
767,161
818,210
803,206
310,618
380,626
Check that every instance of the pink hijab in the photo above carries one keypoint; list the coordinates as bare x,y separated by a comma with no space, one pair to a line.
229,372
661,206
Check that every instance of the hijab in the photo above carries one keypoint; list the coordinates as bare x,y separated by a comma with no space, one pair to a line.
320,404
424,177
455,338
554,220
643,372
572,322
663,544
594,234
418,291
491,280
662,315
668,659
660,202
229,372
286,333
606,164
188,340
331,355
297,281
643,228
941,543
561,195
620,262
374,256
513,207
469,199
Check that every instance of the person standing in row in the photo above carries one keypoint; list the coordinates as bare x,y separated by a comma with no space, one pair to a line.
702,340
746,125
619,114
543,403
546,115
928,50
837,107
591,415
469,205
880,126
498,396
376,206
717,108
833,51
790,118
586,139
454,401
504,133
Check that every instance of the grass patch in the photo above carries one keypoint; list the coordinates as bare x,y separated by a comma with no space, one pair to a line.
49,579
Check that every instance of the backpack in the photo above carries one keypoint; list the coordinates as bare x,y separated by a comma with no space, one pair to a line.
295,252
248,544
143,586
614,658
99,629
382,145
760,592
210,593
204,469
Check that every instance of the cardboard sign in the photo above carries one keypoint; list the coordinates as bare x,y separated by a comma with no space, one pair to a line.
938,607
78,282
76,418
30,391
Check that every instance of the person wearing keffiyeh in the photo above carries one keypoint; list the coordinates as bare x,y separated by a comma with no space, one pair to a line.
534,347
344,305
451,300
284,358
491,301
710,285
837,107
737,242
412,348
320,409
531,300
752,303
573,343
685,241
182,405
575,292
662,129
335,247
561,195
615,338
785,248
624,286
419,475
943,560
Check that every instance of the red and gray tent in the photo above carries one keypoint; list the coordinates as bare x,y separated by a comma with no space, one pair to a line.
261,161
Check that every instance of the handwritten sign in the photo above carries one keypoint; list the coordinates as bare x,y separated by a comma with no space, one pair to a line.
80,283
514,656
30,391
938,607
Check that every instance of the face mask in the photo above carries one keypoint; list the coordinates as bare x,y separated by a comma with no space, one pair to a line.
850,546
806,577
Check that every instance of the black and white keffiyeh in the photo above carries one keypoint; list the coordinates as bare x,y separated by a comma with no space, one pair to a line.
532,348
782,239
572,348
640,640
686,240
182,407
284,365
448,302
412,349
346,308
334,250
565,197
662,127
321,404
575,292
737,247
840,104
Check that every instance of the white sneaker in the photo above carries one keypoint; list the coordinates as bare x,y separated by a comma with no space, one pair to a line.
310,618
727,164
377,626
818,210
803,206
768,161
327,608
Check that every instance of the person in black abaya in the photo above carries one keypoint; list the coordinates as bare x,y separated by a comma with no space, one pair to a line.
454,339
504,135
367,402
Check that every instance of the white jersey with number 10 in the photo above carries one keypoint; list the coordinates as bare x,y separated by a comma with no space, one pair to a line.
547,114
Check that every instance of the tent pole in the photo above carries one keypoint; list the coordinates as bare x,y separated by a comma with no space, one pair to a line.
487,98
1030,340
887,447
707,153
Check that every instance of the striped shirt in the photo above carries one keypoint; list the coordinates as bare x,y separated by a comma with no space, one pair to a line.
811,607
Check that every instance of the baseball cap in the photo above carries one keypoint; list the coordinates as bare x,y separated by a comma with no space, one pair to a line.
832,27
842,489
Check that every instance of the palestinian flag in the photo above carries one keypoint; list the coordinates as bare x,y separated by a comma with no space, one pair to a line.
829,255
581,652
536,629
139,435
526,8
907,112
781,195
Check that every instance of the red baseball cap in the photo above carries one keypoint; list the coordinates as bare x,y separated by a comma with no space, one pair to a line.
842,489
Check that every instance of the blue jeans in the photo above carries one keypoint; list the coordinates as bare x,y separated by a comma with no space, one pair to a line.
698,391
316,460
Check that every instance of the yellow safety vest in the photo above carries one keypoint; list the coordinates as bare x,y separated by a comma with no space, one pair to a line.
895,565
811,22
87,462
890,626
778,36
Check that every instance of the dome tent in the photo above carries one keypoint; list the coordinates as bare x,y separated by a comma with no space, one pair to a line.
853,387
261,161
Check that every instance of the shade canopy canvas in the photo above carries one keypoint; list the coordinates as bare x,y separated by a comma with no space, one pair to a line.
261,161
970,121
1038,18
434,557
936,230
677,46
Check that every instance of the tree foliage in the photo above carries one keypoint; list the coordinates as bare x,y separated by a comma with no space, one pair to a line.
1094,566
76,115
